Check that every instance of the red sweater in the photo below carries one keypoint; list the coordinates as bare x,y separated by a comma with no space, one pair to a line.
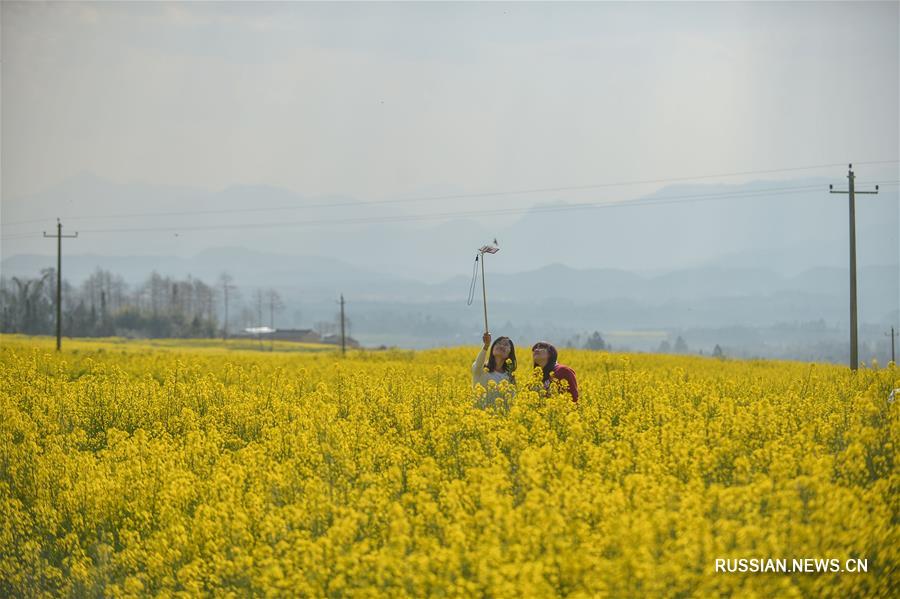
561,372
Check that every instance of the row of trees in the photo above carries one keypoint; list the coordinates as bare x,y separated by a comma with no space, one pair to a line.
595,341
104,305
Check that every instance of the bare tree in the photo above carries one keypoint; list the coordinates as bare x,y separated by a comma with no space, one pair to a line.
247,316
259,300
156,290
324,327
29,307
275,306
348,323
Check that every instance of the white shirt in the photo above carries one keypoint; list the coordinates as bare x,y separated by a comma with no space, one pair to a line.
481,377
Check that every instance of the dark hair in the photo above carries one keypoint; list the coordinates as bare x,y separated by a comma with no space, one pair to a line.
551,359
509,368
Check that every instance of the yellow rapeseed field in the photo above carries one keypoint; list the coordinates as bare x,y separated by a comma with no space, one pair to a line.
130,469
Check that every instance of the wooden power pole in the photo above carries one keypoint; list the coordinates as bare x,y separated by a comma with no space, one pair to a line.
893,336
851,191
59,237
343,338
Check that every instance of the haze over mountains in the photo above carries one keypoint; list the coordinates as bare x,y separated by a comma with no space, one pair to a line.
751,254
784,225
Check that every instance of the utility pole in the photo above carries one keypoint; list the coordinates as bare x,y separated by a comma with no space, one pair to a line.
274,304
851,191
59,236
893,355
226,280
343,338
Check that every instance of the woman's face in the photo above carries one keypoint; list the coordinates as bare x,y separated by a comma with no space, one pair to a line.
501,350
541,356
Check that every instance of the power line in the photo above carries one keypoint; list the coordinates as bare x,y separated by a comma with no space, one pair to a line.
450,197
458,214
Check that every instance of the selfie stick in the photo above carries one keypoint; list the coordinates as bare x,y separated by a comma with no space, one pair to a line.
487,249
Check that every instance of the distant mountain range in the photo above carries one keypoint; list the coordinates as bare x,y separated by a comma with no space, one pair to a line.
688,255
786,227
316,278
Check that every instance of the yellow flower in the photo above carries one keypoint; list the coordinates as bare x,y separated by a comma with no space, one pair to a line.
190,467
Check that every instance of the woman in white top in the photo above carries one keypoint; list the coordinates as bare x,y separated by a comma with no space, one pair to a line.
500,366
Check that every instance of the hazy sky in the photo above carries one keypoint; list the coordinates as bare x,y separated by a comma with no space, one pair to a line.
383,100
377,99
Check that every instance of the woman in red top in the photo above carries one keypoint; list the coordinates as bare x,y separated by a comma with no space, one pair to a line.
545,358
